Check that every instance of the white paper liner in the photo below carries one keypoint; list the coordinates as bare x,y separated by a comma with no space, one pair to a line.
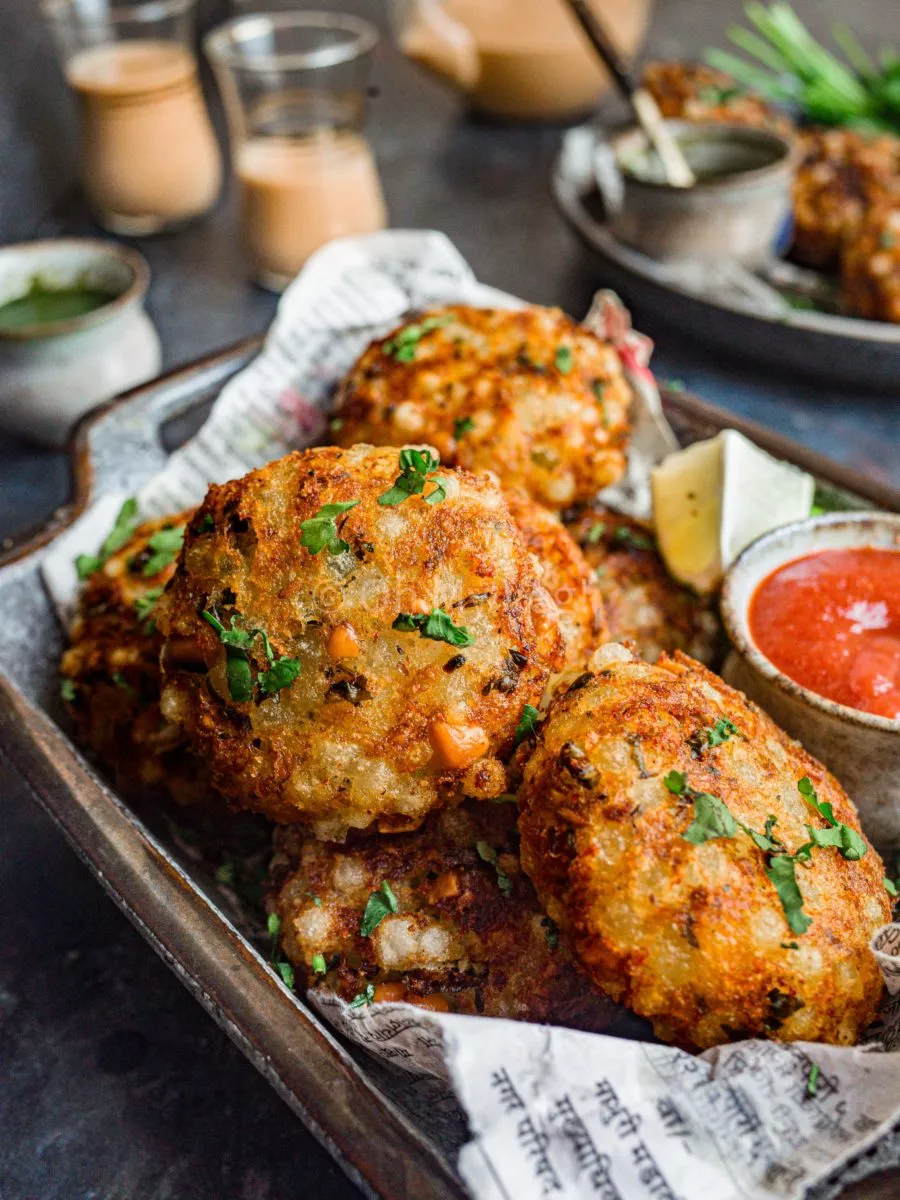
551,1111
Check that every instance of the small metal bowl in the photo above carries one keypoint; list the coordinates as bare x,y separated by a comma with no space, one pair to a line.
860,748
739,209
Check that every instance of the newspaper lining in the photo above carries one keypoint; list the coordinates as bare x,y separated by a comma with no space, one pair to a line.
552,1112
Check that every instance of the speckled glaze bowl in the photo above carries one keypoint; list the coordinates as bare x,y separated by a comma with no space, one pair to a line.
860,748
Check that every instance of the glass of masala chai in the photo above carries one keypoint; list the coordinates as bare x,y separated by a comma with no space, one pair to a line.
294,87
150,159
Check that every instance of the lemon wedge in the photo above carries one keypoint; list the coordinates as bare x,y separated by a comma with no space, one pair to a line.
713,498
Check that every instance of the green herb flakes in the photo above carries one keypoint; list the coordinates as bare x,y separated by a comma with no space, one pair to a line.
144,605
528,723
405,342
273,925
623,536
121,682
365,998
891,888
812,1082
782,873
415,468
124,526
437,626
286,971
317,900
462,426
67,690
563,359
281,674
379,905
720,732
851,845
320,532
165,546
281,671
489,855
318,964
599,389
205,525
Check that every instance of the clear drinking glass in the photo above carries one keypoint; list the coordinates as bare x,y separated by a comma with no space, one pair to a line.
150,159
294,86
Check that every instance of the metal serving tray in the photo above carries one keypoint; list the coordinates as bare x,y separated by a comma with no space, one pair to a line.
351,1104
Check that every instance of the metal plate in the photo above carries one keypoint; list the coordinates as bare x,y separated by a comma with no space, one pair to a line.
353,1106
822,346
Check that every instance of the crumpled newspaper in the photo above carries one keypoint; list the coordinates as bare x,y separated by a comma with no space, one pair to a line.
551,1111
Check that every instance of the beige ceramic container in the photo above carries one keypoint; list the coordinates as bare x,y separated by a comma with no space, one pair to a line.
860,748
739,209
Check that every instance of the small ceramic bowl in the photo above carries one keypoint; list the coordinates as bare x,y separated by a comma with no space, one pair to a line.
860,748
739,209
52,372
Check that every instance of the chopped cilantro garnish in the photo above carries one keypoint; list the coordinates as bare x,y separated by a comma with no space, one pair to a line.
629,537
226,873
405,342
318,964
437,626
462,426
123,527
320,532
563,359
67,690
281,674
415,468
317,900
286,971
238,642
365,998
599,390
782,873
851,845
165,545
379,905
790,945
812,1081
528,723
144,605
489,855
121,682
891,888
206,524
273,925
720,732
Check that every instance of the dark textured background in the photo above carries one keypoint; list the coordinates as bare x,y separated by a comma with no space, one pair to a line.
114,1085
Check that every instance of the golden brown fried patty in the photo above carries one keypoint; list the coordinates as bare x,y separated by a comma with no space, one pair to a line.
528,394
468,935
870,265
565,574
694,936
403,651
842,174
645,607
694,92
110,673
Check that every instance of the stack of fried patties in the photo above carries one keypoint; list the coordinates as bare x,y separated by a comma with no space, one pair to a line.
402,658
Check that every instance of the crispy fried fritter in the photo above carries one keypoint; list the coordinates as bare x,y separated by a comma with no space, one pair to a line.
468,935
645,607
528,394
842,174
111,677
566,575
870,265
694,936
694,92
403,650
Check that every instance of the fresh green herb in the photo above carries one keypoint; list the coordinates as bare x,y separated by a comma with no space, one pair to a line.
273,925
238,642
320,532
628,537
318,964
437,626
489,855
365,998
206,524
121,682
405,342
281,674
812,1082
286,971
336,424
505,798
599,390
891,888
144,605
551,932
276,960
563,359
226,873
240,680
595,533
123,527
415,468
782,874
379,905
317,900
528,723
714,96
851,845
462,426
67,690
165,546
720,732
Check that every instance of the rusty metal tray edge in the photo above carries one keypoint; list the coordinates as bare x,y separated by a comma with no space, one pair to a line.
117,448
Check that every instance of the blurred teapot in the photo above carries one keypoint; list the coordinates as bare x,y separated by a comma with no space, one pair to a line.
520,59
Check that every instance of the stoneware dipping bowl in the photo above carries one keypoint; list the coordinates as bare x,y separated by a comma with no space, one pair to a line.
739,209
861,749
52,372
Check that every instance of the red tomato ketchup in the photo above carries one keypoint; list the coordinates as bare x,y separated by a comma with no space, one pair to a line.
831,622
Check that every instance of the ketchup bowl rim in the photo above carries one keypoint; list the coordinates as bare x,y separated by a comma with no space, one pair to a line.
735,613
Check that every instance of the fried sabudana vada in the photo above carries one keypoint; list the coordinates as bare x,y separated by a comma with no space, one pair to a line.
660,812
528,394
467,935
352,636
645,607
110,678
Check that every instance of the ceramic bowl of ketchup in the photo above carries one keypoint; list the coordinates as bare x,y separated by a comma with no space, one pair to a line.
813,613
